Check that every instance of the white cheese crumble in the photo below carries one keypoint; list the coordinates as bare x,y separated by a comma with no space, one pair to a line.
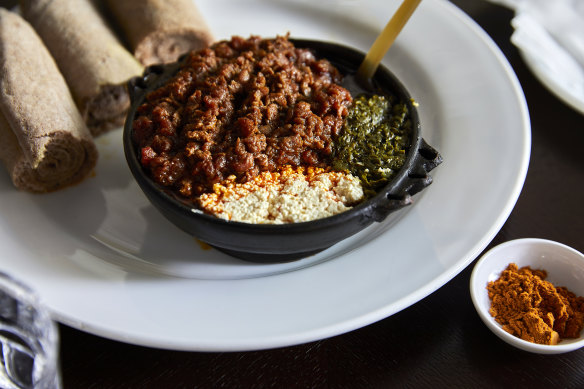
289,196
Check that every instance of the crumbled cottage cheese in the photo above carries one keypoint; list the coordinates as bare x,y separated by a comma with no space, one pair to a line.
287,196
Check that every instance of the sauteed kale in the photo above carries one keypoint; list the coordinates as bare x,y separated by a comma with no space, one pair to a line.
374,141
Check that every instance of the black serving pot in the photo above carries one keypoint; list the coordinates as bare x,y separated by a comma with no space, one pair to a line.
271,243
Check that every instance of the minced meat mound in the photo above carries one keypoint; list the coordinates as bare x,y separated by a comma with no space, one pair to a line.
238,108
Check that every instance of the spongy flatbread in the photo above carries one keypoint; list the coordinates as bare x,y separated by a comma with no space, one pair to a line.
159,31
93,61
44,141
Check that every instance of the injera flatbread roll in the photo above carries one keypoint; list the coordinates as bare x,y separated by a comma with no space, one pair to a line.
44,142
94,62
159,31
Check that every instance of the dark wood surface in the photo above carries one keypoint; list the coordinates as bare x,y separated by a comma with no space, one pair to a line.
440,341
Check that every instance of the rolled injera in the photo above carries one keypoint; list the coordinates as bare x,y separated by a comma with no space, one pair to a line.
44,142
159,31
93,61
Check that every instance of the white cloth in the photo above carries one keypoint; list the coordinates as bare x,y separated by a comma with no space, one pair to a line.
551,32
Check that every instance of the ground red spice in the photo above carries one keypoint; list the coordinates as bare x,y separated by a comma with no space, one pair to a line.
533,309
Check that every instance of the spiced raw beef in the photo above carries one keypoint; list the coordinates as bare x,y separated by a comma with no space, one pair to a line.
238,108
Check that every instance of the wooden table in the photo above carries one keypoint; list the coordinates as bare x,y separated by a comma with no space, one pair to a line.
440,341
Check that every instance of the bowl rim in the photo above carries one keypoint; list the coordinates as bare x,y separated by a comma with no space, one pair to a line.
479,285
382,195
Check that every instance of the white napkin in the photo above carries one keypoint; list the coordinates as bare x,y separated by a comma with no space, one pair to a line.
551,32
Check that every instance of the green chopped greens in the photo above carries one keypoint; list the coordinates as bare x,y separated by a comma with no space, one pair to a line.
374,141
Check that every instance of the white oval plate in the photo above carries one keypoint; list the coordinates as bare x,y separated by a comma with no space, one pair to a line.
107,263
562,88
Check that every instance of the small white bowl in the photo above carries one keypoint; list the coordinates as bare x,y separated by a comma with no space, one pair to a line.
564,266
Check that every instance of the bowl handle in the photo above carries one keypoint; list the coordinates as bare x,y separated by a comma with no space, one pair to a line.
151,78
417,178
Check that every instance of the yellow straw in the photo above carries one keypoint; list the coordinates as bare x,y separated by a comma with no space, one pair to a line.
386,39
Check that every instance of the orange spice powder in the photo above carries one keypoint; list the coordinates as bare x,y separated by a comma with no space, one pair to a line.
533,309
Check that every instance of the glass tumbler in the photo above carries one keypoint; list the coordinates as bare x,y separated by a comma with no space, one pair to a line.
28,339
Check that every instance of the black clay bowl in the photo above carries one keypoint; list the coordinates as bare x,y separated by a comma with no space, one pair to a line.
270,243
